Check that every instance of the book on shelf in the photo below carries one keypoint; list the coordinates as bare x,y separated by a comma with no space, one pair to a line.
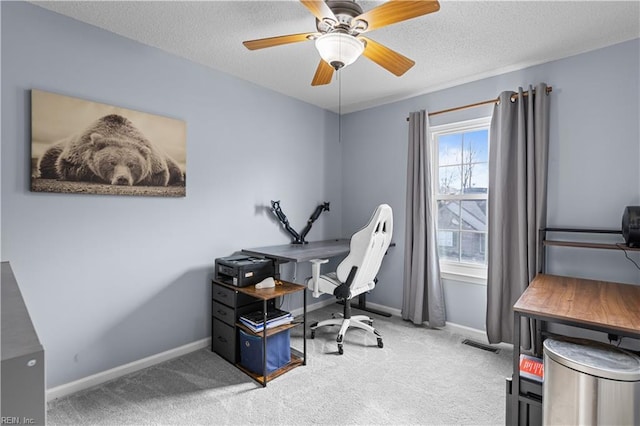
276,317
260,327
531,368
257,317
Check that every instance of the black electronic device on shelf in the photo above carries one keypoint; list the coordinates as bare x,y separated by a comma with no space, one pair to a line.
631,226
243,270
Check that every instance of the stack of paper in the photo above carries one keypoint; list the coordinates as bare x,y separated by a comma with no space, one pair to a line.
276,317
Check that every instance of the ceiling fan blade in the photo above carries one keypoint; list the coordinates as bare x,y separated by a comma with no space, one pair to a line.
396,11
324,72
277,41
388,59
320,9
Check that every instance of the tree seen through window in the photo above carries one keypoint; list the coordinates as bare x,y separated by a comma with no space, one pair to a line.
463,180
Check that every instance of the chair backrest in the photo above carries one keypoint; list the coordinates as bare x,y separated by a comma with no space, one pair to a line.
367,249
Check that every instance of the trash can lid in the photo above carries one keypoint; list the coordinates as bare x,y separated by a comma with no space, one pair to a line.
594,358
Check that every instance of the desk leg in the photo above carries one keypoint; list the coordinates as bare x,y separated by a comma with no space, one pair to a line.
276,267
304,327
264,345
362,305
515,378
538,337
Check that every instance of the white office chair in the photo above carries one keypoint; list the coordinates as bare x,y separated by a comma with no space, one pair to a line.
355,274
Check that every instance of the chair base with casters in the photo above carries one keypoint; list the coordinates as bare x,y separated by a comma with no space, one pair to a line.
346,320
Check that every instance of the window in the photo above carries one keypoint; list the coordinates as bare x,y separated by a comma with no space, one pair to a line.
461,166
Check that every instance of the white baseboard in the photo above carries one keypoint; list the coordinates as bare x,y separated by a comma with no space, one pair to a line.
393,311
312,307
114,373
473,334
467,332
332,300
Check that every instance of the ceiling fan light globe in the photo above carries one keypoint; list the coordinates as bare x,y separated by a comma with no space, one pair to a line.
339,49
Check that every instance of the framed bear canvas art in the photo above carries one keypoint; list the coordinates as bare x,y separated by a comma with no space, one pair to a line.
79,146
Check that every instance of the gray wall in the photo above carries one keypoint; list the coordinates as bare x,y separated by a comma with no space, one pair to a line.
112,279
593,163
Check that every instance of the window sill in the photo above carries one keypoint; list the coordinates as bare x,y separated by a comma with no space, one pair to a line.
464,278
463,272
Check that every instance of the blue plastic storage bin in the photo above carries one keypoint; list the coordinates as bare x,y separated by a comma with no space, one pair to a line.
278,351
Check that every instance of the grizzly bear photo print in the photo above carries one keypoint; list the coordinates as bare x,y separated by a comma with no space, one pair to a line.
79,146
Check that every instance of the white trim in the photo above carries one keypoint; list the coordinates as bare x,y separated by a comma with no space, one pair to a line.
458,269
319,304
392,311
464,272
461,126
474,334
463,278
464,331
331,300
471,333
114,373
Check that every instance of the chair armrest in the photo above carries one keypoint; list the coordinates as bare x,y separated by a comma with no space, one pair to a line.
315,275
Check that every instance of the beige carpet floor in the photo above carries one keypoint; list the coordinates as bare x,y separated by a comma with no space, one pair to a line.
421,376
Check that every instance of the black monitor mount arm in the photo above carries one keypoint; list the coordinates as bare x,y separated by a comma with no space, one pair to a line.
297,238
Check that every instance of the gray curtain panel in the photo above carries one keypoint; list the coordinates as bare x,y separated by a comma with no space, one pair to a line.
423,297
519,141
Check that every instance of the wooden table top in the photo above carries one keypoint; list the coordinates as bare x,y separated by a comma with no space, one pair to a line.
615,306
282,288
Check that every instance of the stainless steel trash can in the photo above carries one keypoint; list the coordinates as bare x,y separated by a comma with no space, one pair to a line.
589,383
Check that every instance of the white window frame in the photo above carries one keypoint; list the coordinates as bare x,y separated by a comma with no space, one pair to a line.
459,271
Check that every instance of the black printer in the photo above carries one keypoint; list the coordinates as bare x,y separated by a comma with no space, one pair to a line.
242,270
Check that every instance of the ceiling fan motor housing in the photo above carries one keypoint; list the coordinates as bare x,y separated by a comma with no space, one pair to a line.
344,10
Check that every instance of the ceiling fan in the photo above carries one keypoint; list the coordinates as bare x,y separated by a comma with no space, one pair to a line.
339,40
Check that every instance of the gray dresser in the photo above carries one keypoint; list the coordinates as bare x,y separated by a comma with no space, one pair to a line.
23,388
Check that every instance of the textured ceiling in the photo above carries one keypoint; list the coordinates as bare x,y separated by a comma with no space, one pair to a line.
464,41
